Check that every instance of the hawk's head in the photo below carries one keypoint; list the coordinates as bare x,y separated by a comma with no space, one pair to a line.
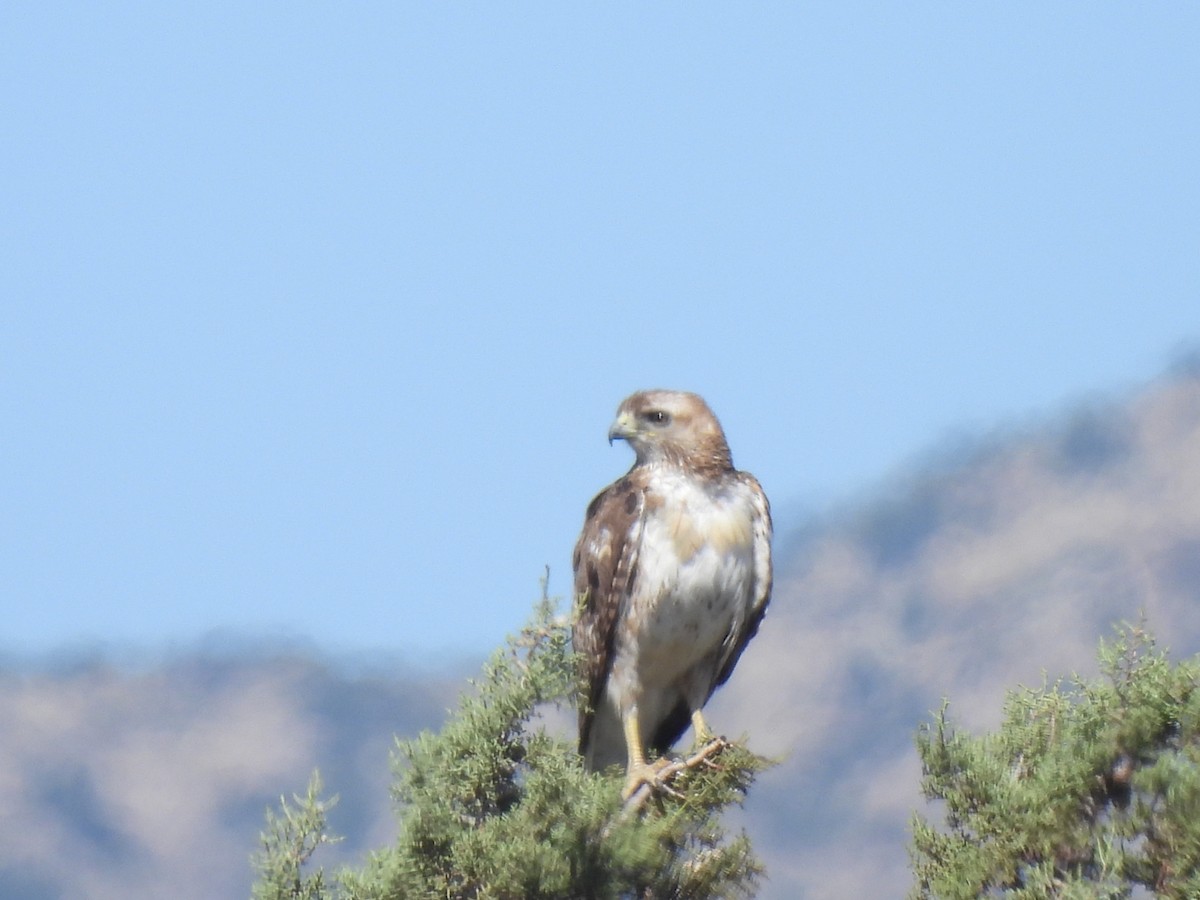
673,427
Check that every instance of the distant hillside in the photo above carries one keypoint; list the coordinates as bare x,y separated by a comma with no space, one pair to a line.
963,577
117,784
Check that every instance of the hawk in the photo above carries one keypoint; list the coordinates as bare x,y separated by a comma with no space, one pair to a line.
672,575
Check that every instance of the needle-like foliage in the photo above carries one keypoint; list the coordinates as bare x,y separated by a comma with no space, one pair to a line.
497,806
1089,789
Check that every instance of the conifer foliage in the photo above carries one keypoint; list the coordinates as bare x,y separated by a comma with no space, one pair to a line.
1090,789
496,806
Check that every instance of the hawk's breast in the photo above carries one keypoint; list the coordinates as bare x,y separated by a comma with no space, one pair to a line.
695,573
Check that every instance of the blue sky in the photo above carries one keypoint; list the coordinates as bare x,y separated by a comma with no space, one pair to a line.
315,317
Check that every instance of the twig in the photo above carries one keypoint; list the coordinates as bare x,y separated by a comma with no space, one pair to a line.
668,773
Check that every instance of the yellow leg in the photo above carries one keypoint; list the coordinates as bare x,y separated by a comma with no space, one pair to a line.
703,733
637,772
633,742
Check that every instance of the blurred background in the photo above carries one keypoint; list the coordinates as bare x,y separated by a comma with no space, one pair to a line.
315,319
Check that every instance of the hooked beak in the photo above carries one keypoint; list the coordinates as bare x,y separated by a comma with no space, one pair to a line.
623,428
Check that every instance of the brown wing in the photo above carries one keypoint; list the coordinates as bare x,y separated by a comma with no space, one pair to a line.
605,562
737,641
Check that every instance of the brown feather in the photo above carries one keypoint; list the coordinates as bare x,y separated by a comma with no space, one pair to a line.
675,436
605,566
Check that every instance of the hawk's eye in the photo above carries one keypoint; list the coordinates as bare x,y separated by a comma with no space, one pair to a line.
657,417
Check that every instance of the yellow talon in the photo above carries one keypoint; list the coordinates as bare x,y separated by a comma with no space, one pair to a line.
646,773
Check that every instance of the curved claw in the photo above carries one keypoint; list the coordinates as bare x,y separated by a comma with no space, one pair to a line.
647,774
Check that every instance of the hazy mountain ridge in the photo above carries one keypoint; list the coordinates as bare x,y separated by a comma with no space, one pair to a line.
962,578
117,784
999,568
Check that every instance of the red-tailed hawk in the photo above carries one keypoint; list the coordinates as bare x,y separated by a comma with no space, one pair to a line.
673,575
